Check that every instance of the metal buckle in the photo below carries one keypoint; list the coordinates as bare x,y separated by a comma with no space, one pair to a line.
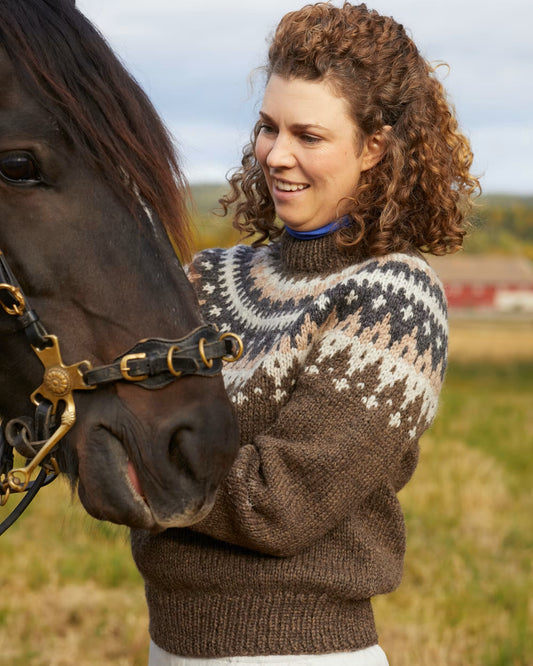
240,347
208,362
5,492
18,308
125,371
170,364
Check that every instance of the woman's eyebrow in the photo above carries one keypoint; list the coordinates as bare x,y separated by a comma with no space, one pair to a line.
298,126
265,116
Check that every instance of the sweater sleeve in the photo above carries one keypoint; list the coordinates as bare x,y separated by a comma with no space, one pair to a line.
367,390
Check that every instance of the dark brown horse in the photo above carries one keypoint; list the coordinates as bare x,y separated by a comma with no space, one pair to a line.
90,191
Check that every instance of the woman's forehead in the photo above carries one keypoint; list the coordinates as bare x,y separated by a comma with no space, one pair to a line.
304,101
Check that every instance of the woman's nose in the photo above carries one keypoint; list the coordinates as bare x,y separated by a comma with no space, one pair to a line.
281,153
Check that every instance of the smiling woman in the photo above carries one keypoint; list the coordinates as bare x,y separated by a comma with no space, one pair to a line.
356,165
311,151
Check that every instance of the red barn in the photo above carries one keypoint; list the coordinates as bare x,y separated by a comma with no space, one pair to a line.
490,283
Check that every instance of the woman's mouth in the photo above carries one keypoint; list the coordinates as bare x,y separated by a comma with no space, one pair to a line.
285,186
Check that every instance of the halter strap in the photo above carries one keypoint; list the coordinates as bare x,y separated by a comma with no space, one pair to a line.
17,306
154,363
151,364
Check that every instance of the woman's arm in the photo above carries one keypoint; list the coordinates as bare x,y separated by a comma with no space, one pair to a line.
350,427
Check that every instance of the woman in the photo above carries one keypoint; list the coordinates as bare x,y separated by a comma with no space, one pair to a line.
357,152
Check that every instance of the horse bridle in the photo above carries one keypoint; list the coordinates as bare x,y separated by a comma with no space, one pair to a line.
151,364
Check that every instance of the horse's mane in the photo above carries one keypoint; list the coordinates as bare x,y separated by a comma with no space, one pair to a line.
64,61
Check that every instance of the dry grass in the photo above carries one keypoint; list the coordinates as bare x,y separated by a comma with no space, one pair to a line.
75,624
70,593
460,601
466,594
494,340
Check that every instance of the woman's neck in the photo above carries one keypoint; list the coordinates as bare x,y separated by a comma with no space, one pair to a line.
321,231
315,255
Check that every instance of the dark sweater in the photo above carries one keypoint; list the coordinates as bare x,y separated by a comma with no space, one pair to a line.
341,374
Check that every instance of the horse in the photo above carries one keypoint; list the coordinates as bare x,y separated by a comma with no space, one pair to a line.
93,206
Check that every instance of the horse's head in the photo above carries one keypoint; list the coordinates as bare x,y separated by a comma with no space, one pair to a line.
89,192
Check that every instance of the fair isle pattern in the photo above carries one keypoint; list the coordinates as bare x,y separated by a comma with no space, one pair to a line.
342,368
387,315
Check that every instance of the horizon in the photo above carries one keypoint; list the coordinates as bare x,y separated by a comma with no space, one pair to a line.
195,63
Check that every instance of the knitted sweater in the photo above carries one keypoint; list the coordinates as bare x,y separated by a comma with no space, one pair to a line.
341,374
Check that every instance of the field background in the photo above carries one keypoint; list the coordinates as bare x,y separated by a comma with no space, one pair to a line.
70,594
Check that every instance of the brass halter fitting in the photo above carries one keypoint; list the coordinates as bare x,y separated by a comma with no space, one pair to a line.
151,363
19,305
59,381
240,347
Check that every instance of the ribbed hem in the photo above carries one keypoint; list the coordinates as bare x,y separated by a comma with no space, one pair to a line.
276,623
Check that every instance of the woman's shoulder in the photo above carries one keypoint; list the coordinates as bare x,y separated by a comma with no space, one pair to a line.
402,289
235,253
215,259
212,254
398,263
402,274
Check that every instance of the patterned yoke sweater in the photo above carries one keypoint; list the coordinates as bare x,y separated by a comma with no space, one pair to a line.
341,374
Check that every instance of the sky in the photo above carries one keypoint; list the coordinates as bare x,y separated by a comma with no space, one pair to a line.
196,60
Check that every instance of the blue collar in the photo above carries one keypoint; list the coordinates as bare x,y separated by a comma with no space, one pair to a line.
322,231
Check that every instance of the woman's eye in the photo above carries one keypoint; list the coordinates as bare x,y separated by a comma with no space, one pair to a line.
19,168
309,138
266,129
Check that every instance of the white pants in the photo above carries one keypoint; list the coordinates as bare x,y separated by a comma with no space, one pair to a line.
372,656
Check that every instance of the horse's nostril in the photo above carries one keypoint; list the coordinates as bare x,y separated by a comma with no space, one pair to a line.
178,451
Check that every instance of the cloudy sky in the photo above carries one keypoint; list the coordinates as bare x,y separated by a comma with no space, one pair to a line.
195,59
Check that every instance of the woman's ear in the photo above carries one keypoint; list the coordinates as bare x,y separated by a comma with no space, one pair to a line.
374,148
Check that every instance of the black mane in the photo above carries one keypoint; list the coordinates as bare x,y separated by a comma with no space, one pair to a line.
63,60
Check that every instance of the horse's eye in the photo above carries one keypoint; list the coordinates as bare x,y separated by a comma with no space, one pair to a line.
19,168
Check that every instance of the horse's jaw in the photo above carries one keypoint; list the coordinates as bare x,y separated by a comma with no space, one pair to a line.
129,473
114,493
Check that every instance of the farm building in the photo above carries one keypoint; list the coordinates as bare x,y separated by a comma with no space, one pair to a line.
486,283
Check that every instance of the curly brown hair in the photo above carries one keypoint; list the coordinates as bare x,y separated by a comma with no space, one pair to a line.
420,193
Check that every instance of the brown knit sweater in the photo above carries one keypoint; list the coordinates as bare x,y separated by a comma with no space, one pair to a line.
341,375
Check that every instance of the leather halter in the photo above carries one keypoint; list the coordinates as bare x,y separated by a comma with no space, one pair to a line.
151,364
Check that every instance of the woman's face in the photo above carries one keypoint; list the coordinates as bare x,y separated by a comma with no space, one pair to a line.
309,152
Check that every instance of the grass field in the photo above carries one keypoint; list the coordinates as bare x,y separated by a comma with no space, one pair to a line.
70,594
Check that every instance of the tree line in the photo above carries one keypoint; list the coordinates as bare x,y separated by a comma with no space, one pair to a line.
500,224
503,224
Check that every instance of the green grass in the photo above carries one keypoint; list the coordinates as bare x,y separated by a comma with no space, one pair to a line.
491,409
71,593
466,594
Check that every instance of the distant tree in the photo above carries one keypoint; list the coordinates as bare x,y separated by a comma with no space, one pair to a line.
502,224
